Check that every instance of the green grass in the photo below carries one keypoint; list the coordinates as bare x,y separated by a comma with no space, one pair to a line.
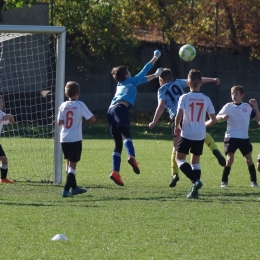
145,219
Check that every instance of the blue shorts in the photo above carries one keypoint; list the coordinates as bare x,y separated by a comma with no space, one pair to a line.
118,117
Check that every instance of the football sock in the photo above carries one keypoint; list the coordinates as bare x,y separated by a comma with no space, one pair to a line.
129,147
71,170
196,170
4,170
174,165
225,173
116,160
70,181
209,141
187,170
252,172
74,183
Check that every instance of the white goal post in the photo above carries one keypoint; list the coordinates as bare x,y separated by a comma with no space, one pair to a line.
32,78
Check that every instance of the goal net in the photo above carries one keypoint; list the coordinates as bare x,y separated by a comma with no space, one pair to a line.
32,62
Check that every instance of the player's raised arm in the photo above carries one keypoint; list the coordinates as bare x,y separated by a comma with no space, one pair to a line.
209,80
254,105
156,56
157,74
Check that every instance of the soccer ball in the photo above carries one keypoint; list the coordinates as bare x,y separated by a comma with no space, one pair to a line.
187,52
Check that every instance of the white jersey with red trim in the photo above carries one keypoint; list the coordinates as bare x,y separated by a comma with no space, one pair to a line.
238,121
195,106
71,113
2,122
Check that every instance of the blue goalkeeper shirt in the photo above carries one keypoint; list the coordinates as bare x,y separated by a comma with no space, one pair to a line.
126,90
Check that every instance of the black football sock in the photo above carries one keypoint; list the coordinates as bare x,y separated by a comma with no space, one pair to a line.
69,181
74,183
252,173
4,173
197,174
187,170
225,173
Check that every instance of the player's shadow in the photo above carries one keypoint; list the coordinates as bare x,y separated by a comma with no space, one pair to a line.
228,197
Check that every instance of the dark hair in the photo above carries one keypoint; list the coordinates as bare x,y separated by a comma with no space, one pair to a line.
72,88
166,75
194,77
238,88
119,73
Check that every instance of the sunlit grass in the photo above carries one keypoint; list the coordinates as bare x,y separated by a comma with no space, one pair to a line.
145,219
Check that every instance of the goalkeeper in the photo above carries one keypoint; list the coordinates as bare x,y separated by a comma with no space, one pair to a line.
5,119
118,114
168,95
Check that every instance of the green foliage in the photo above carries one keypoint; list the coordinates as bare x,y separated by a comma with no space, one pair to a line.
11,4
97,33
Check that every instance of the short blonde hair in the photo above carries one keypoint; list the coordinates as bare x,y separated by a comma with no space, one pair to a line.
238,88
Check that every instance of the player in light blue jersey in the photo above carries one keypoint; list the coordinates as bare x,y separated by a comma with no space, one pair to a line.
168,96
118,114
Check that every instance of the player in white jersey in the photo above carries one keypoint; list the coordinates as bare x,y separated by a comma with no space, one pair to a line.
192,110
70,116
5,119
238,114
168,95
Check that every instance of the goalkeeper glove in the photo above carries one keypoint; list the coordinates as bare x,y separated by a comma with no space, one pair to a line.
158,72
157,54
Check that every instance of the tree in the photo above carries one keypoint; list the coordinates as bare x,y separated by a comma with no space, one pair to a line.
97,33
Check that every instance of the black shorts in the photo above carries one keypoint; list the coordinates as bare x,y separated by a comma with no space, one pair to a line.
232,144
72,151
173,126
118,117
194,146
2,153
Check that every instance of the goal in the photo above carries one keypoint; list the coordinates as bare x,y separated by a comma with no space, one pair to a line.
32,67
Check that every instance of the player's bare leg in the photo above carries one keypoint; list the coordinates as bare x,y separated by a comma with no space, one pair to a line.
251,169
4,171
174,166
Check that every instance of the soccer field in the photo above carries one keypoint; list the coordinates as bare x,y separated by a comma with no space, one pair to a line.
145,219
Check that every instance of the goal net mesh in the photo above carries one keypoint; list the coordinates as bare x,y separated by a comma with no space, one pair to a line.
27,84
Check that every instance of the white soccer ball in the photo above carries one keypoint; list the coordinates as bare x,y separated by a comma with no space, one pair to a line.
187,52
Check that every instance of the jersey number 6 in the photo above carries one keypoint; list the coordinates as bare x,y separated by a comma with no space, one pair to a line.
69,119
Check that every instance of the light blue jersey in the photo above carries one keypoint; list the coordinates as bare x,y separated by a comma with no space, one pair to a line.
126,90
170,93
